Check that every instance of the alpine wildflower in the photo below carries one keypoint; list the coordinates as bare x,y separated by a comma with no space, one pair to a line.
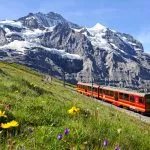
73,110
2,114
66,131
59,136
117,148
105,143
10,124
30,130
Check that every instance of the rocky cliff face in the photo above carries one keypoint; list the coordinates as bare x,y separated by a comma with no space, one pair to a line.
54,45
3,39
42,21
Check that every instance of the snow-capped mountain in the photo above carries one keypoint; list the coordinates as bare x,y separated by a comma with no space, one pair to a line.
50,43
40,20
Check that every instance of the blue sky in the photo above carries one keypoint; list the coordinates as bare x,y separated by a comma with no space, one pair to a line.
129,16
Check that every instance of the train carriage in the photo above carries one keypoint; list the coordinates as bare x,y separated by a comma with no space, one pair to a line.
120,97
88,89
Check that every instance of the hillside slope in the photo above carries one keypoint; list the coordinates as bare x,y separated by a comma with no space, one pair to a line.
41,109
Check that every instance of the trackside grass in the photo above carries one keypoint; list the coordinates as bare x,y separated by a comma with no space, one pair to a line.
53,117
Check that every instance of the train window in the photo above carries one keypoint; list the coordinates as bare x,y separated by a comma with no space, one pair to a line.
92,89
89,88
100,91
106,92
95,89
126,97
111,93
148,99
132,99
121,96
103,91
141,100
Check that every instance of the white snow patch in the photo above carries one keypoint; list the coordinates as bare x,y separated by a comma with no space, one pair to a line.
31,17
33,33
137,49
71,56
97,36
62,53
131,43
13,33
77,30
12,23
124,38
20,46
7,30
113,30
50,29
114,46
98,27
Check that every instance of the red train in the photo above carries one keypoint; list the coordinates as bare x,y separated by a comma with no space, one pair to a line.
139,102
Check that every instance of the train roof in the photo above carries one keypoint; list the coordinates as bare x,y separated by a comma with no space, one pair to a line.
123,90
89,84
115,89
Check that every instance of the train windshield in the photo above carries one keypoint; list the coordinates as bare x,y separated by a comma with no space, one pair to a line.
147,99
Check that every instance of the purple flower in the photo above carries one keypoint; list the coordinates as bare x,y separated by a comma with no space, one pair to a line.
59,136
30,130
117,148
105,143
66,131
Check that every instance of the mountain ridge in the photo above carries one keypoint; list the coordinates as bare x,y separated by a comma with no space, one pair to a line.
103,55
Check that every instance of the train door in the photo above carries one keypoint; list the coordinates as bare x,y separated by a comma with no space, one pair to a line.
116,96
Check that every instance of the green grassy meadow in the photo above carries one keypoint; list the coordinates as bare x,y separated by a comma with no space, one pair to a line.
41,109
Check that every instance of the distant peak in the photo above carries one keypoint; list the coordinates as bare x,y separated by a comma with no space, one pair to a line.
98,26
30,14
52,12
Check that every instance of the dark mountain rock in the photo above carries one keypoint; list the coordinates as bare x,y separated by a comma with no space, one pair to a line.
13,28
40,20
3,39
48,59
15,36
63,37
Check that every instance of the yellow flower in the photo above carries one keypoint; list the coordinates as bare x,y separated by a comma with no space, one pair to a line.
73,110
2,114
70,111
10,124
